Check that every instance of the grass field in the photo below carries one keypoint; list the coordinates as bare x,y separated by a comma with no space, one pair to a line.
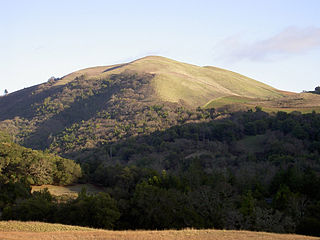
14,230
302,102
71,190
220,102
17,226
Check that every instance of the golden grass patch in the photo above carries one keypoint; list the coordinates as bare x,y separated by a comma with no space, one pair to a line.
14,230
70,190
17,226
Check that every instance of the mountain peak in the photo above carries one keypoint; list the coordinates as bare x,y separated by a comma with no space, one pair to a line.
176,81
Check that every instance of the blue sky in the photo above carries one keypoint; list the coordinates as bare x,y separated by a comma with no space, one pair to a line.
273,41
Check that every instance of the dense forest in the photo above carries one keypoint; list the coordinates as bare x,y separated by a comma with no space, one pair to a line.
21,167
33,166
245,170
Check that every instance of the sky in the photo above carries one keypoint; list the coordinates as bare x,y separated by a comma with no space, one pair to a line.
273,41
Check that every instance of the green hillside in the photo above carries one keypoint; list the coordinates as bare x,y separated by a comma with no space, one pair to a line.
176,81
89,108
165,157
302,102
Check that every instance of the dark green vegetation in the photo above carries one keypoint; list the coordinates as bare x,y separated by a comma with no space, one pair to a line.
20,167
249,171
164,161
20,164
316,90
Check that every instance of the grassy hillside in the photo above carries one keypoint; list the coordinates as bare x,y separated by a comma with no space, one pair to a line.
176,81
96,105
303,102
14,230
93,107
166,143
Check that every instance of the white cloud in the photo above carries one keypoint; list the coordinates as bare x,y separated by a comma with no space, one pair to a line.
291,41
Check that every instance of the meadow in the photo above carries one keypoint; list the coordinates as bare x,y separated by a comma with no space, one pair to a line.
15,230
69,190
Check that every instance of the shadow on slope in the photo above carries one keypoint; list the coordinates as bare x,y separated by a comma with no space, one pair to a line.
81,110
21,103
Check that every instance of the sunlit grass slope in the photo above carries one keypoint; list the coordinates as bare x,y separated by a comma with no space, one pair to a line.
302,102
15,230
176,81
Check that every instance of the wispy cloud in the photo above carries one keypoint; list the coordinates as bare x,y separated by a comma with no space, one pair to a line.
289,42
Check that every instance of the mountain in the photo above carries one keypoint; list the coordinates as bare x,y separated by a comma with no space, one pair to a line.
170,146
94,106
176,81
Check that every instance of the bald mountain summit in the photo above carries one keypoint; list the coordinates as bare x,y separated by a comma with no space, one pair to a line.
99,105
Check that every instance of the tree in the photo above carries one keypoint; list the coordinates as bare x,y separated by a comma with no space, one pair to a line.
99,211
39,207
6,92
316,90
158,208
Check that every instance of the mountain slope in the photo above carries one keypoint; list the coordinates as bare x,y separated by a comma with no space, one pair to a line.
175,81
94,106
189,166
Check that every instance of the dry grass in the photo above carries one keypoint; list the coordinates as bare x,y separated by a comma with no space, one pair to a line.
17,226
71,190
21,230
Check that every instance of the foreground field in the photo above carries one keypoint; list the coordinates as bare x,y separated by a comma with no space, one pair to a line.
14,230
